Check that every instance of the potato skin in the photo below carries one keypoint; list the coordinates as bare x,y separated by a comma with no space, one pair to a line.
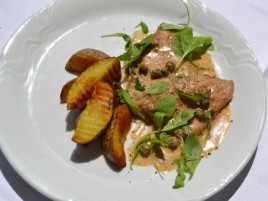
82,59
115,136
65,89
96,116
106,70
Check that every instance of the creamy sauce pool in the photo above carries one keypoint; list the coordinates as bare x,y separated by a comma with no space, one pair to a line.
209,140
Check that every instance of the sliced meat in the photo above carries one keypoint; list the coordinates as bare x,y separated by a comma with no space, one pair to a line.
195,81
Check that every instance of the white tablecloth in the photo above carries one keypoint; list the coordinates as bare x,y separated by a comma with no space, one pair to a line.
248,16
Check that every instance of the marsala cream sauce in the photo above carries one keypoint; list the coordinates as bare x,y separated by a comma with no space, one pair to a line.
209,140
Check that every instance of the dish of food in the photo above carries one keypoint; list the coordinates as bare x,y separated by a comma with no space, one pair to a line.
40,149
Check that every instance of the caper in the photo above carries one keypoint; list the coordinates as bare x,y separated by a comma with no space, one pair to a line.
145,150
143,69
201,115
205,103
156,74
165,71
171,66
173,142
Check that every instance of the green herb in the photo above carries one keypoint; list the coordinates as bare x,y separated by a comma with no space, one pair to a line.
144,139
133,52
125,98
181,119
159,119
167,105
138,49
128,45
194,97
174,27
144,27
158,88
189,159
138,85
186,44
162,140
165,109
171,27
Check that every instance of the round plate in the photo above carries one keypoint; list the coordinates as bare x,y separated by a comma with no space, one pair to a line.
35,132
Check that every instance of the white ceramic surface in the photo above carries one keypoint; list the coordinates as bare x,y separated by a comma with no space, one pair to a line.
34,128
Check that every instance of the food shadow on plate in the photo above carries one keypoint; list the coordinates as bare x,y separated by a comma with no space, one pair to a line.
90,152
18,184
71,119
228,191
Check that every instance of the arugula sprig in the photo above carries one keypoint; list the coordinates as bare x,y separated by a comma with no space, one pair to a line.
134,52
126,98
189,159
157,88
174,27
187,45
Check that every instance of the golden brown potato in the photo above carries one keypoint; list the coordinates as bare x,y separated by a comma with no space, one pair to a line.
97,114
115,136
106,70
82,59
65,89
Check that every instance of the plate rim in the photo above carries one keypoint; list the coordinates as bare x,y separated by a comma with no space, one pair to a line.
7,153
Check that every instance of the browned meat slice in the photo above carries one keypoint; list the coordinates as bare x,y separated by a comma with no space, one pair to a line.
195,81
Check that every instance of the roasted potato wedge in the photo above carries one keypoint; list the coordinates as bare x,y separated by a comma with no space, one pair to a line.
115,136
65,89
96,116
106,70
82,59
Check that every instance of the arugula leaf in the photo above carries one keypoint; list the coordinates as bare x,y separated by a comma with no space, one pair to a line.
171,27
128,45
167,105
161,140
159,119
186,44
138,49
157,88
174,27
189,159
144,139
138,85
192,151
165,109
144,27
194,97
180,120
125,98
179,180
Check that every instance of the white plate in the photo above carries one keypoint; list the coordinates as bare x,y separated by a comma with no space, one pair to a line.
34,134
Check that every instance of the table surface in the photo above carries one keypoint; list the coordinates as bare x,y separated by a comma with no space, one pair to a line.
249,17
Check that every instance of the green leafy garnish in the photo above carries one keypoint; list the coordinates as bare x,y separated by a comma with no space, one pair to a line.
167,105
158,88
171,27
181,119
137,50
143,140
189,159
186,44
125,98
165,109
194,97
128,45
174,27
144,27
